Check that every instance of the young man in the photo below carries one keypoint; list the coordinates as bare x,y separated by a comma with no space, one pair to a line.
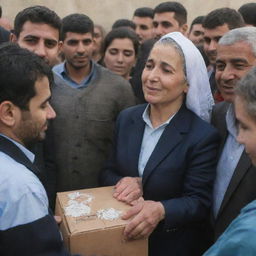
87,99
37,29
169,17
248,12
234,185
196,31
239,237
26,226
216,24
143,19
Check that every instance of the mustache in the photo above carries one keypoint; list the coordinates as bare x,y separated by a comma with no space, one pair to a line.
79,54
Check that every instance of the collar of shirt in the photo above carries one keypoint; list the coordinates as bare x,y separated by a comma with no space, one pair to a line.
61,71
28,153
146,118
231,121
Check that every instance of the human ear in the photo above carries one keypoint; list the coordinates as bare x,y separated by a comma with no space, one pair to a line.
184,28
8,113
13,38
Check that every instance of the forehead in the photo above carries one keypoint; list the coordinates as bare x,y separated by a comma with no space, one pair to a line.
40,30
142,20
121,43
165,16
197,27
78,36
238,50
217,31
165,53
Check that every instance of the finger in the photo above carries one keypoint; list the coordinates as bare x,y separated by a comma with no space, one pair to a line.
131,212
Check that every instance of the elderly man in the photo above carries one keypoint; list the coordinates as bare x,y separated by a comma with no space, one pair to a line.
239,237
235,181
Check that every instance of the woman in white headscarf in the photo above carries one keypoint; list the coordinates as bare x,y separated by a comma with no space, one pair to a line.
164,154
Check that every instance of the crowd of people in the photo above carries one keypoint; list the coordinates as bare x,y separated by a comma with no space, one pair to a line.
164,113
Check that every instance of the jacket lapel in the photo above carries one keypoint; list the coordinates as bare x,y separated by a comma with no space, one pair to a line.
9,148
242,167
170,138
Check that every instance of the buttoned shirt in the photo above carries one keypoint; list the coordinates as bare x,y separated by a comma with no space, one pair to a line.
150,138
61,71
22,196
228,161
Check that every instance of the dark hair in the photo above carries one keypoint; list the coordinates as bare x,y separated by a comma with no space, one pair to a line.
0,11
144,12
180,13
19,71
36,14
248,11
221,16
121,33
124,23
197,20
76,23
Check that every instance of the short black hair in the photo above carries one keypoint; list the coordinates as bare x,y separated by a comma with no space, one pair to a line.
124,23
180,13
248,11
19,71
221,16
0,11
121,33
197,20
144,12
76,23
36,14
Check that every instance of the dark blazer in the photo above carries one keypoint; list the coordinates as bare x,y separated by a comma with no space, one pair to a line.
179,173
241,189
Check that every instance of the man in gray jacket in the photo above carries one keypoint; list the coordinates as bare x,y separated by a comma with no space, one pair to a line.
87,99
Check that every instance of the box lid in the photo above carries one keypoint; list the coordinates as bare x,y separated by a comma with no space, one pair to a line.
101,198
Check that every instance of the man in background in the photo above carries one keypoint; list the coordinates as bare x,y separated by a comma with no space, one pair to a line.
196,31
143,19
87,99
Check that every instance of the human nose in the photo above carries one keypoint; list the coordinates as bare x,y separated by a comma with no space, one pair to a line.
228,73
120,58
80,47
40,49
212,46
51,114
153,74
157,31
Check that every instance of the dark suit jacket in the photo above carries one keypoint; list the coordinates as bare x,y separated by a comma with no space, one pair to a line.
179,173
241,189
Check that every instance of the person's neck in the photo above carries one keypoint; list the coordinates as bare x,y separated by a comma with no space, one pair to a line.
159,114
78,74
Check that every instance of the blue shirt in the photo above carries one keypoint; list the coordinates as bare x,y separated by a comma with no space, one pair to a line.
61,71
150,138
228,161
239,239
22,196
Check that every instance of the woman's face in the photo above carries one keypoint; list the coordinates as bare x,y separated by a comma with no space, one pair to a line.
120,57
163,77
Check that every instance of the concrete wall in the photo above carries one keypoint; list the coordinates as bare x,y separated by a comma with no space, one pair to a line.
105,12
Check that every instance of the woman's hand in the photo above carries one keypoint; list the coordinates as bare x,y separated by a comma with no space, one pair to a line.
145,217
128,189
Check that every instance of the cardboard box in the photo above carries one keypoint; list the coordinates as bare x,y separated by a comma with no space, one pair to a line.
90,235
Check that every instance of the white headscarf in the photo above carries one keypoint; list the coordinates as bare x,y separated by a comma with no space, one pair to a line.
199,97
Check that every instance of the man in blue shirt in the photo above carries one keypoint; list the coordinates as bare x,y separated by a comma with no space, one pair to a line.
26,226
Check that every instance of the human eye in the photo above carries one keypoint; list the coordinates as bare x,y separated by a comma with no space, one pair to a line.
220,66
149,65
113,51
31,40
72,42
144,27
166,24
87,41
155,24
128,53
50,43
